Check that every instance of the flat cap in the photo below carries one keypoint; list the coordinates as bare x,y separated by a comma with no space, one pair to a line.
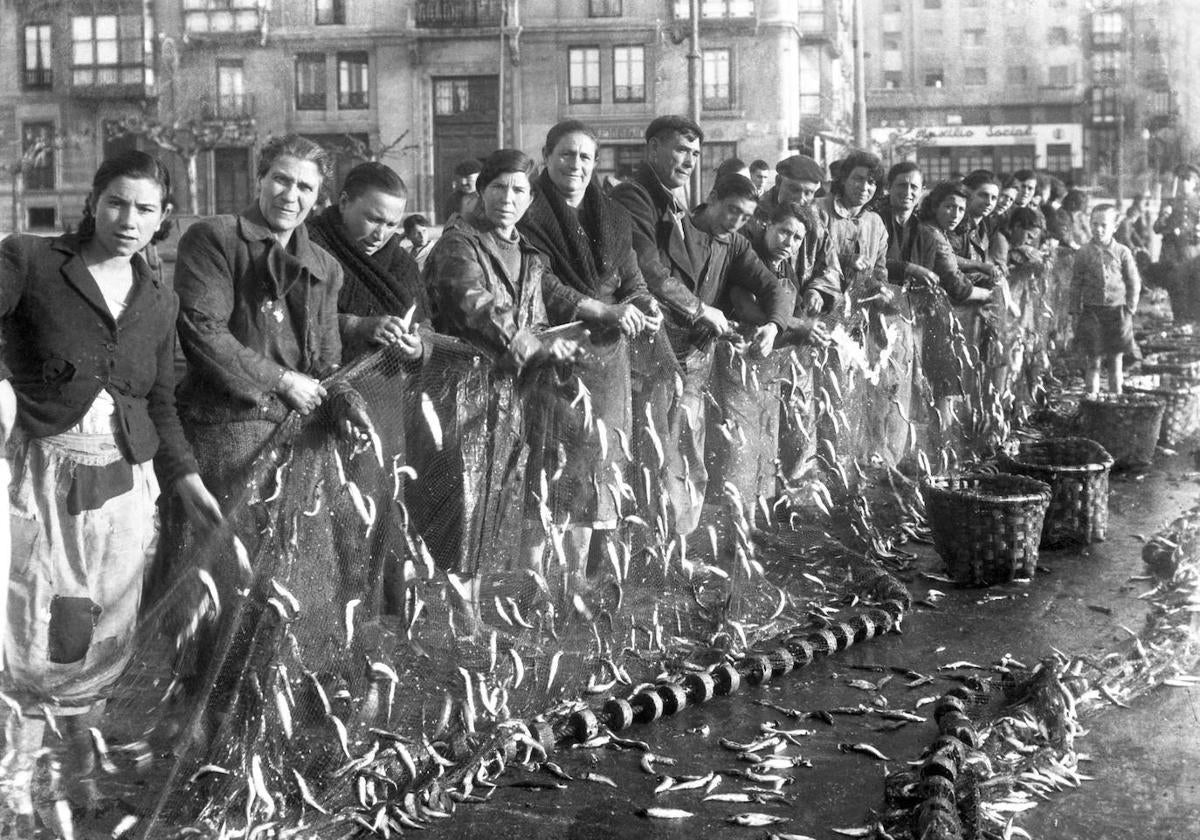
800,168
1186,170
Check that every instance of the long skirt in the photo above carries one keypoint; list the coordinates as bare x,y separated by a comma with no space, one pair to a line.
83,530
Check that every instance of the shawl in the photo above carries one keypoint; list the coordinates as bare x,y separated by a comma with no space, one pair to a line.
583,250
384,283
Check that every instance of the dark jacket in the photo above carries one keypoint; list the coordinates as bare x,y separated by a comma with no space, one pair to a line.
670,261
249,311
62,346
899,243
476,299
817,266
930,248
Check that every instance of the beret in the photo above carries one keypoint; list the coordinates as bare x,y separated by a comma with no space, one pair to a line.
800,168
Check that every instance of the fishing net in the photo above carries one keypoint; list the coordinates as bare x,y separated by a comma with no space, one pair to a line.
367,640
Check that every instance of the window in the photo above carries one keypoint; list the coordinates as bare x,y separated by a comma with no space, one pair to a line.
621,161
1106,67
330,12
1016,74
716,9
231,88
37,155
891,43
629,74
810,80
971,158
41,218
893,79
933,4
975,75
1059,75
451,96
310,82
37,56
220,16
935,78
354,83
1057,36
1058,158
935,164
1104,105
974,37
892,6
109,50
711,155
716,92
1009,159
583,75
1107,29
604,8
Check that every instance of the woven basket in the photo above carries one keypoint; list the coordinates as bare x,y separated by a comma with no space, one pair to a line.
1181,398
1126,425
987,527
1077,471
1183,363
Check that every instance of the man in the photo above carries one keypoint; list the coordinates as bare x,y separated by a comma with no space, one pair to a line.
798,179
416,238
688,264
1026,182
758,176
1179,224
382,299
462,195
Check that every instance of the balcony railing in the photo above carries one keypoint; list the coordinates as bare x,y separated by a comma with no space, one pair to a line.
40,77
119,81
230,106
458,14
716,9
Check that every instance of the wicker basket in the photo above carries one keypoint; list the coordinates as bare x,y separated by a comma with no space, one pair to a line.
1182,363
1077,471
1126,425
987,527
1181,417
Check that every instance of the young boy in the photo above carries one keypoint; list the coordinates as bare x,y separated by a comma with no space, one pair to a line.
1105,287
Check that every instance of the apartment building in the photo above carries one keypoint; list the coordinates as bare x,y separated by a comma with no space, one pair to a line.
419,84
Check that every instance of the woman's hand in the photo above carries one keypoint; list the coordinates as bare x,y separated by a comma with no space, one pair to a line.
920,277
763,340
562,349
301,393
653,316
628,317
8,410
813,302
201,508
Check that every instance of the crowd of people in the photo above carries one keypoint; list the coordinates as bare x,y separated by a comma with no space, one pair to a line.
658,333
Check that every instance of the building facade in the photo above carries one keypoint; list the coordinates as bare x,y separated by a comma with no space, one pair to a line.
966,84
418,84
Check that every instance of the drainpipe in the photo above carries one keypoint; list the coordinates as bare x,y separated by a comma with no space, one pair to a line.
694,82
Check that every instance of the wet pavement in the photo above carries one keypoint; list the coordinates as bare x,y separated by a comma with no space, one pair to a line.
1145,760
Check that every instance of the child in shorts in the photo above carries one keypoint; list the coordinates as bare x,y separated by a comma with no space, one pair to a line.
1105,286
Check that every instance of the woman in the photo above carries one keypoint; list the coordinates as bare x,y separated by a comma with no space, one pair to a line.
945,356
486,285
593,278
89,339
857,231
759,439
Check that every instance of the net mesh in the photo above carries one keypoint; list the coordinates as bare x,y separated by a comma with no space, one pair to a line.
369,635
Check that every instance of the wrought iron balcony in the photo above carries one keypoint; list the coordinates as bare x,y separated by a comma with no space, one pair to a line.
459,14
716,9
40,77
230,106
116,81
